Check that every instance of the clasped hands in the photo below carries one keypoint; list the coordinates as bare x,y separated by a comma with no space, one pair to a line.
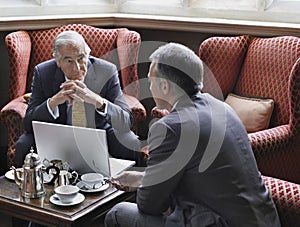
74,90
128,181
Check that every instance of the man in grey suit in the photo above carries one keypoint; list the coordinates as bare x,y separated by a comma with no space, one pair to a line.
201,170
74,75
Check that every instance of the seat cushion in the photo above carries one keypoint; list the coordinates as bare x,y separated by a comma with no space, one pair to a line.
255,113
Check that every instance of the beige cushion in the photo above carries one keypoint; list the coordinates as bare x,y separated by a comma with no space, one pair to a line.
255,113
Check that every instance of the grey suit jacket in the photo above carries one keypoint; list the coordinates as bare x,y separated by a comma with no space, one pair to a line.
200,156
102,78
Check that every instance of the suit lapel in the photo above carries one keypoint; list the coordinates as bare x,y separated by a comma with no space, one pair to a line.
93,83
91,80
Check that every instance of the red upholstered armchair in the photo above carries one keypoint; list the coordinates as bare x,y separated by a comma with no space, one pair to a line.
28,48
255,67
286,196
263,68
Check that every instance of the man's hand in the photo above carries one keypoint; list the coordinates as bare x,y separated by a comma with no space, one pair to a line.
128,181
145,150
65,94
74,90
78,91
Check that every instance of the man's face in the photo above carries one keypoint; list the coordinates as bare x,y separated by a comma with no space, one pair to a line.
73,62
156,88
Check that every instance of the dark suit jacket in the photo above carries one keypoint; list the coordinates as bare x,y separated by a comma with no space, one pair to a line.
102,78
201,159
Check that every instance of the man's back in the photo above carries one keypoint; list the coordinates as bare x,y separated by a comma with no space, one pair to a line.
212,165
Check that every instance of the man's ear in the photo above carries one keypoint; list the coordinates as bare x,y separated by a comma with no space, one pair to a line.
165,86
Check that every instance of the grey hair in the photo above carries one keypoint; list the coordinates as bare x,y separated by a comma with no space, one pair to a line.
69,38
179,64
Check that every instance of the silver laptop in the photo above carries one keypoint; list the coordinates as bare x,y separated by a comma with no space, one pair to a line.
85,149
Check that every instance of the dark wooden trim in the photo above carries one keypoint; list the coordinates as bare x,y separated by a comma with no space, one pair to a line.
211,26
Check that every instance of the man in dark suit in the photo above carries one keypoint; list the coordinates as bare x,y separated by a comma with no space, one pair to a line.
201,170
74,75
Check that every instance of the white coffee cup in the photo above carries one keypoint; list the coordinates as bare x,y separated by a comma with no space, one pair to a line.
66,193
92,180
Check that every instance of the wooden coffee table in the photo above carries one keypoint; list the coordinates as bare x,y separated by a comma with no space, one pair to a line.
42,211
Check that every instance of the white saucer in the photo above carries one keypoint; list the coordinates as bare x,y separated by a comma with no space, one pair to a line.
11,176
78,199
83,188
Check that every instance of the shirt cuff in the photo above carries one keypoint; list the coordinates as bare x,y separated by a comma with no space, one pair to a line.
54,114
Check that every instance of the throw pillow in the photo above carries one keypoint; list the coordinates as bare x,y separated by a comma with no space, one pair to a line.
255,113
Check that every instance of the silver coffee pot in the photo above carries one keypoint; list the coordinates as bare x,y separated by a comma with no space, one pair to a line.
31,182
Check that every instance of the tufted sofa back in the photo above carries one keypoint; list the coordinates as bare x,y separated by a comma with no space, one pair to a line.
37,46
255,67
267,72
223,58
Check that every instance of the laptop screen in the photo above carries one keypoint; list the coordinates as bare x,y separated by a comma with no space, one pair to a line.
85,149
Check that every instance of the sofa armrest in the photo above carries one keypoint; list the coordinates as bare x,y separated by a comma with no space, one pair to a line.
137,109
286,196
277,153
14,110
273,137
12,116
